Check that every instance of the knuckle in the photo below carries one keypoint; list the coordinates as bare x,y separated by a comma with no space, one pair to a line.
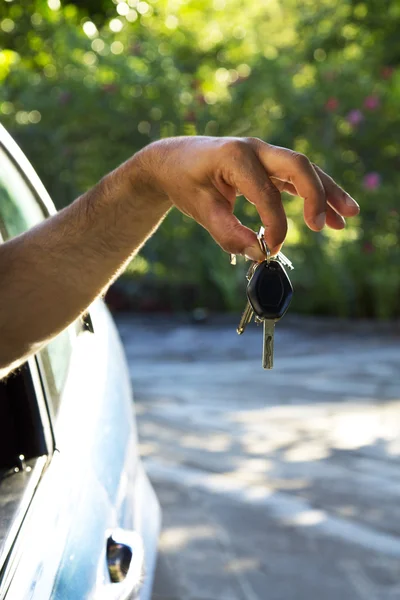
236,147
301,160
267,188
231,247
229,244
228,240
253,141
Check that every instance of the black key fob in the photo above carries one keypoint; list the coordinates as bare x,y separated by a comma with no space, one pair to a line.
269,290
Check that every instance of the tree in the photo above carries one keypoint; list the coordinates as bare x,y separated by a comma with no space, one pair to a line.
85,84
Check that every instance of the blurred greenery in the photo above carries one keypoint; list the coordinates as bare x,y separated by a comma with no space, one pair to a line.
85,84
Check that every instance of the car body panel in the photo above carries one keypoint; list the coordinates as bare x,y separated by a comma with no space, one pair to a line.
85,494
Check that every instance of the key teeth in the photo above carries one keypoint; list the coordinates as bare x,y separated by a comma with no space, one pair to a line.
284,261
268,345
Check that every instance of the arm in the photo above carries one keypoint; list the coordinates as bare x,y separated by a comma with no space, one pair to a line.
53,272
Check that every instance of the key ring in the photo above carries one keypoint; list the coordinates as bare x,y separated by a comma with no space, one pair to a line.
263,244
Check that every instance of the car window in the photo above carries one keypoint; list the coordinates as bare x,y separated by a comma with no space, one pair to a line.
55,358
20,210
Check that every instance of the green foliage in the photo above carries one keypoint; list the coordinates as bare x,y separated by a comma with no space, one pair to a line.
84,85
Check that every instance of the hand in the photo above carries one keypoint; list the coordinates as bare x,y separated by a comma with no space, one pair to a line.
202,176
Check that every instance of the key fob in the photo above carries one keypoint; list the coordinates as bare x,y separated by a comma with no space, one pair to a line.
269,290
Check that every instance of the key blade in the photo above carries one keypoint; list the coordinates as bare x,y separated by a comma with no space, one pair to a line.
245,318
251,269
268,344
285,261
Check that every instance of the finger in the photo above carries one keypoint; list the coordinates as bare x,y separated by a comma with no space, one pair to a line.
216,216
334,220
249,176
296,169
340,200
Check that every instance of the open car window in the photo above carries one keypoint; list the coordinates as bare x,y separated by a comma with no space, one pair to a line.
20,210
54,364
25,444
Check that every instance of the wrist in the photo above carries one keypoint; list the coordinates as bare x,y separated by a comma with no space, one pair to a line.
143,174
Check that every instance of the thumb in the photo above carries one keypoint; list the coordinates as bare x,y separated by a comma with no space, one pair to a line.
229,233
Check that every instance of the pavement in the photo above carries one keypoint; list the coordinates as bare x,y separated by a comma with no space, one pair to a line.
274,485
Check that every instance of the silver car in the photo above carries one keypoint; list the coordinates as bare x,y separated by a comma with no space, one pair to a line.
78,516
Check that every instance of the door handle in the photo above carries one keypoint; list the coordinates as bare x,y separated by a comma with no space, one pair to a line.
125,560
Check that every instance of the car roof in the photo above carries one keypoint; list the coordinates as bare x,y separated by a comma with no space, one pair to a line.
14,151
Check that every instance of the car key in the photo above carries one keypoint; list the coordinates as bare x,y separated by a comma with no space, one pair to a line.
269,292
245,318
248,311
277,277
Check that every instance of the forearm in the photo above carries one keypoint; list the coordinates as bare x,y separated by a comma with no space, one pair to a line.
52,273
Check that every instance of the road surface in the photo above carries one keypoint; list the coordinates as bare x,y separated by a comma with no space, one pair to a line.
278,485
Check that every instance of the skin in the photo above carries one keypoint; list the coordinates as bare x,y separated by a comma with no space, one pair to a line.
53,272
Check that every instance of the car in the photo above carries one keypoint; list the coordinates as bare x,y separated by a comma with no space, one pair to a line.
79,518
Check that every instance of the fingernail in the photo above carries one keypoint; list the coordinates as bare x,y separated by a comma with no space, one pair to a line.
351,202
320,220
253,253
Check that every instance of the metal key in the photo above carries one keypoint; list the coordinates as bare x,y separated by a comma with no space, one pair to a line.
245,318
269,324
248,311
269,292
268,344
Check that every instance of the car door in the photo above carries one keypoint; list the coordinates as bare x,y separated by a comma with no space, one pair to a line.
93,484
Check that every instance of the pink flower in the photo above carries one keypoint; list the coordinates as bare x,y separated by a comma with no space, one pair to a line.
355,117
368,248
110,88
200,99
372,181
332,104
387,72
372,102
190,116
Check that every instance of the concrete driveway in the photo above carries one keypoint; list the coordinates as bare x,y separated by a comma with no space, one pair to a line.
280,485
